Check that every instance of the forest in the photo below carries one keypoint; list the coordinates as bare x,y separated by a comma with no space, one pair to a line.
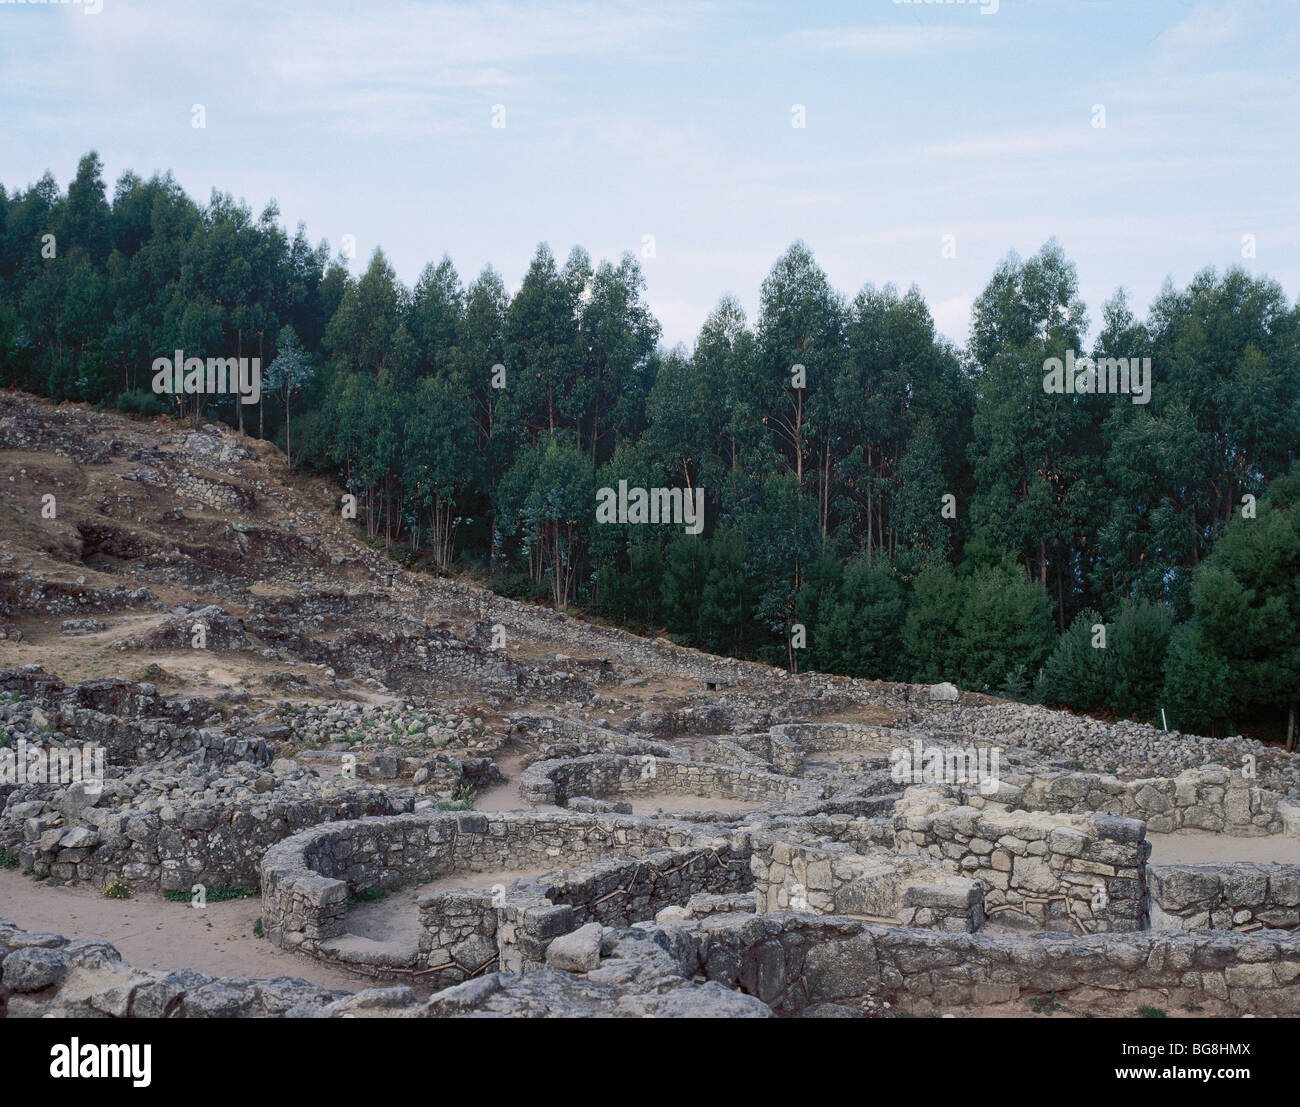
880,503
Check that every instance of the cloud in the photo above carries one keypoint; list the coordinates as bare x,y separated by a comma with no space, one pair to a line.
384,67
1206,28
952,317
681,320
884,42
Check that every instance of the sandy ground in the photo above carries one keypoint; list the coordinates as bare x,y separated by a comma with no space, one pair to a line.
504,797
1197,847
396,917
152,932
648,805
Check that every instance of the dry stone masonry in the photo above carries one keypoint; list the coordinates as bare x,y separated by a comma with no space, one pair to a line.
354,741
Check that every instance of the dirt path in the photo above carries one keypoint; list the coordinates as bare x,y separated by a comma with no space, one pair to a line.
396,917
648,805
1198,847
152,932
504,797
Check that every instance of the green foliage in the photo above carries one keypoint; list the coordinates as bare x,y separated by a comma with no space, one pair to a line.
1078,673
1197,689
1005,621
220,893
931,646
860,633
1137,645
1016,686
1125,676
1246,596
139,402
825,500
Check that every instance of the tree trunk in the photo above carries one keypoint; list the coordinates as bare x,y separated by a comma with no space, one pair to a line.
798,440
869,507
1060,598
239,353
1290,727
826,490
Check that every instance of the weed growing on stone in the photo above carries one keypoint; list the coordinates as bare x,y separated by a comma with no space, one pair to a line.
1044,1005
219,894
117,889
462,799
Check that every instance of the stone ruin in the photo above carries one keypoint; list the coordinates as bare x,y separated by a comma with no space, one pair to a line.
828,888
585,822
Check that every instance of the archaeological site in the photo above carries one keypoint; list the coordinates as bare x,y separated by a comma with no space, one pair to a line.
255,768
648,509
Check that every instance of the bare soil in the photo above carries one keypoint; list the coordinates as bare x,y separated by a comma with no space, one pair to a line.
1199,847
152,932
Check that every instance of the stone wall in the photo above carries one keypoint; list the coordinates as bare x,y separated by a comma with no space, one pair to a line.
535,911
21,594
1241,896
795,962
785,963
1210,798
128,719
308,880
605,776
220,495
1093,745
835,737
773,751
411,658
138,741
1082,872
831,879
210,843
563,737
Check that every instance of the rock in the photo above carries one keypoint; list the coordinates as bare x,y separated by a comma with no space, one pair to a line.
577,951
31,970
944,692
79,797
79,838
82,626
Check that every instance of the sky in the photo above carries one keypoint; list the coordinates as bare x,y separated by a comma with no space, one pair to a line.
667,129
